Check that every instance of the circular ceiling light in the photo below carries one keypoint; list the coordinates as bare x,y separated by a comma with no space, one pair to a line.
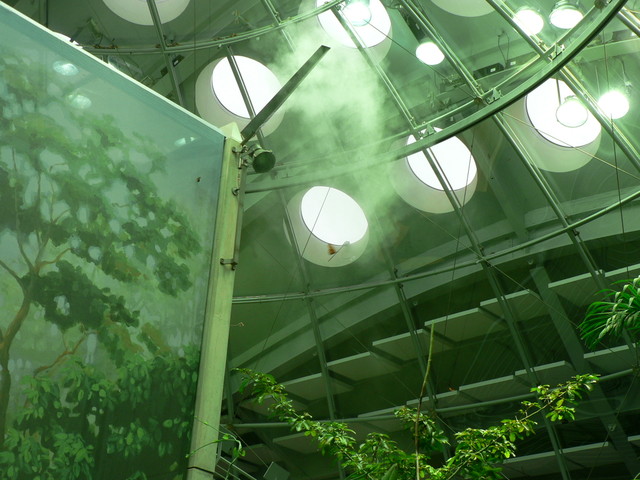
329,227
529,20
372,33
218,97
542,107
572,113
429,53
614,104
137,11
417,184
565,15
357,13
465,8
333,216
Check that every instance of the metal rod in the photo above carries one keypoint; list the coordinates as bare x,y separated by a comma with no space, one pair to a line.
215,336
193,45
365,52
157,23
279,98
552,67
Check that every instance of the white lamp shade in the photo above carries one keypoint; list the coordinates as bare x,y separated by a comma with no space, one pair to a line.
465,8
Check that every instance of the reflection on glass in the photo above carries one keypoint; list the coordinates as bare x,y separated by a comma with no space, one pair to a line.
102,246
67,69
572,113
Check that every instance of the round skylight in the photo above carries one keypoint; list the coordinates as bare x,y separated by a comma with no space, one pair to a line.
371,31
137,11
465,8
260,82
429,53
455,160
542,108
333,216
357,13
530,21
614,104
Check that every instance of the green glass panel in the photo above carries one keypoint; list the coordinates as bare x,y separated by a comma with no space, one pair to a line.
107,204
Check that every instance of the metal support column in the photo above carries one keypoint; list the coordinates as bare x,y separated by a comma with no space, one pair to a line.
315,326
551,198
213,356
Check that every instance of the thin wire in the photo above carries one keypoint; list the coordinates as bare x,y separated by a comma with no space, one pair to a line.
615,151
579,149
413,54
292,276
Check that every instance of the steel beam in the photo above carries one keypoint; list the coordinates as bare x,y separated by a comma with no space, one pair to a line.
573,346
247,133
219,42
215,335
157,23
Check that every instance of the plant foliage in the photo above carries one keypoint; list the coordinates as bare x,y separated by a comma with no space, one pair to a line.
79,423
83,223
478,452
618,313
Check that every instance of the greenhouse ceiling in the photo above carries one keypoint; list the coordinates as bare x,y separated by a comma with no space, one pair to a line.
469,168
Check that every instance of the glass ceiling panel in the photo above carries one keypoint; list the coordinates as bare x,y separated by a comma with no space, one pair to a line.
340,129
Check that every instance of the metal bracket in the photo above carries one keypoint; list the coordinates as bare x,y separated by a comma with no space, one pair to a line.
229,261
557,50
493,95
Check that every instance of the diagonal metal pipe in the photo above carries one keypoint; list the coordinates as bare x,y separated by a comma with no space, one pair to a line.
173,75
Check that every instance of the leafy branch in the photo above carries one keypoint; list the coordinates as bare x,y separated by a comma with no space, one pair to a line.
618,313
478,452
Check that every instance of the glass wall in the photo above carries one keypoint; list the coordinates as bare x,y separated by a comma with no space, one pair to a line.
108,196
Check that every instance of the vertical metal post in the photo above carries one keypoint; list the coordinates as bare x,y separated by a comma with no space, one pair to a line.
213,356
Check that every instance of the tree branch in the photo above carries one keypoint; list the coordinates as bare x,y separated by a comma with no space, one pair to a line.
60,357
17,210
11,272
44,263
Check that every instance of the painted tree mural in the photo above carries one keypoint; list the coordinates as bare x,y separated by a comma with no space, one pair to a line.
81,222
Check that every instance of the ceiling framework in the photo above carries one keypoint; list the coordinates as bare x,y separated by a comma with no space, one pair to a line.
501,280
